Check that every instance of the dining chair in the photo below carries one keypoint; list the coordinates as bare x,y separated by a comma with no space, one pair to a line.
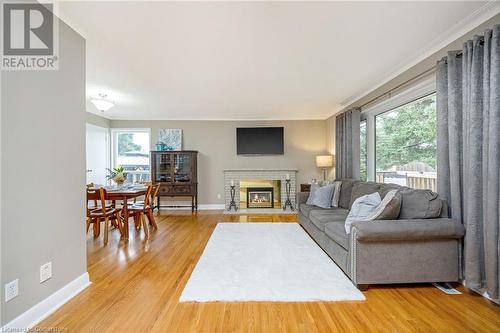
95,204
153,201
107,214
140,210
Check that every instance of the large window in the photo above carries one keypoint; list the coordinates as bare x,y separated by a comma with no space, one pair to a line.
398,137
131,151
405,144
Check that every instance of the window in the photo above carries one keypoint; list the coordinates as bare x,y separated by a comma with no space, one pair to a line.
398,137
131,151
362,151
405,144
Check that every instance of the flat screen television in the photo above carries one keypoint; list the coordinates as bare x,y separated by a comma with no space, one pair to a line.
259,141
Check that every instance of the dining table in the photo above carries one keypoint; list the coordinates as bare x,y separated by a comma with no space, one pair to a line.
125,194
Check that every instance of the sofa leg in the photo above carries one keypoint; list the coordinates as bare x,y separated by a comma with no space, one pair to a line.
362,287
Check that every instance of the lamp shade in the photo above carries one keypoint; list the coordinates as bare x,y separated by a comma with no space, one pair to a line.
324,161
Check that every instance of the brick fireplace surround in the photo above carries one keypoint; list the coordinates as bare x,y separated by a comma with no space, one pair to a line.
238,175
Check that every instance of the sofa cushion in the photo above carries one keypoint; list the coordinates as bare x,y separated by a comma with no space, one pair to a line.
321,196
419,204
385,188
345,193
360,189
336,193
306,209
321,217
336,231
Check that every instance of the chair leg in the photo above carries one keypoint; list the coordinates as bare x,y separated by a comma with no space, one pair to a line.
97,228
119,222
151,219
87,222
144,225
106,230
137,221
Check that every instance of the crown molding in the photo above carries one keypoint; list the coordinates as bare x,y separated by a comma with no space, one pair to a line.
472,21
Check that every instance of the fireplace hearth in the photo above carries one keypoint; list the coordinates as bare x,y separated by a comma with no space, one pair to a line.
260,197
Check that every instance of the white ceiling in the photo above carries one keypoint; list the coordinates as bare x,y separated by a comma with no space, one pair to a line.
251,60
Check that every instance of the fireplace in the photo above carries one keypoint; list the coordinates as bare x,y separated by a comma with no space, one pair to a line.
260,197
237,183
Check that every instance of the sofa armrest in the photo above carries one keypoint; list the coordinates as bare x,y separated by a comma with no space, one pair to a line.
401,230
302,197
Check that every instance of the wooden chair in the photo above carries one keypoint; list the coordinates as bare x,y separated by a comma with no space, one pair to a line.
106,214
139,210
95,204
152,201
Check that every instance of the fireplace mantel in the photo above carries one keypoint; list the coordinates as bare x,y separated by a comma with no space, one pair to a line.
237,175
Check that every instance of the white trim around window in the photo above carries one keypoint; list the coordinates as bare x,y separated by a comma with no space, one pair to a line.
419,90
114,131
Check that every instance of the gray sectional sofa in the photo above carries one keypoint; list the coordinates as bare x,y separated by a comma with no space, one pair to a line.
422,245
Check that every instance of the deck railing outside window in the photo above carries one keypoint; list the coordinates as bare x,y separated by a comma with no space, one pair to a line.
418,180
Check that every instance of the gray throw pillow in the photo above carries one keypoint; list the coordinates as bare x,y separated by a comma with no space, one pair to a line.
362,208
389,207
419,204
321,196
336,193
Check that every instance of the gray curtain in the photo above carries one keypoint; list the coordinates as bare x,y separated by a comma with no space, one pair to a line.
347,144
468,107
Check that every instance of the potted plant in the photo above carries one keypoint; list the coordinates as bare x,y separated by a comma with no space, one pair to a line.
118,175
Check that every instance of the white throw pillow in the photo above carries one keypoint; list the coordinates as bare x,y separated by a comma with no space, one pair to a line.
336,193
321,196
361,209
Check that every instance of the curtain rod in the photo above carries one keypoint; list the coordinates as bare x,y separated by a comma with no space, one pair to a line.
399,86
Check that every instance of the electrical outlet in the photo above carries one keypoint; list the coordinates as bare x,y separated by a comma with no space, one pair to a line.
45,272
11,290
218,196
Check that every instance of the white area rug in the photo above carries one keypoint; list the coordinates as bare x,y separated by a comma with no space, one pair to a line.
266,262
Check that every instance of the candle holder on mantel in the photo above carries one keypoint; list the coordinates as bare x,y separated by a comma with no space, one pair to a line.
232,204
288,202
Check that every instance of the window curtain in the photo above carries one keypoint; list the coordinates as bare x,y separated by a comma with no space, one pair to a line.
468,155
347,144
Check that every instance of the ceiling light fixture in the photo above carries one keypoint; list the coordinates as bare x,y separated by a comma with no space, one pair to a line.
102,103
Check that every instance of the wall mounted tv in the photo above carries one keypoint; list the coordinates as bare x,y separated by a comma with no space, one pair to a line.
259,141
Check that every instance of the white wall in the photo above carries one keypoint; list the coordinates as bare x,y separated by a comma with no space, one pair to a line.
43,175
216,143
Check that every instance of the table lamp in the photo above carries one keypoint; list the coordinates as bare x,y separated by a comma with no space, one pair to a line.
324,162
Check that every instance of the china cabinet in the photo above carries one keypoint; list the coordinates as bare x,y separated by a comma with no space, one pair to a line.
176,171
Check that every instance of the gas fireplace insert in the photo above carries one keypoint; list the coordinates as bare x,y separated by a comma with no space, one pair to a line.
260,197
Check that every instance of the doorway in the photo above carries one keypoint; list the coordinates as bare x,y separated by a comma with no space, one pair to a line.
97,153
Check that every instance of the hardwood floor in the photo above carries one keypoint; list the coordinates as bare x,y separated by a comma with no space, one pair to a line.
136,287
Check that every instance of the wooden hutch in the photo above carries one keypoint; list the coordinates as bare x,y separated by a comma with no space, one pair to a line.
177,172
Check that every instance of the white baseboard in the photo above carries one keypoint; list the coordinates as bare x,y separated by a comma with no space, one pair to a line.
45,308
212,206
200,207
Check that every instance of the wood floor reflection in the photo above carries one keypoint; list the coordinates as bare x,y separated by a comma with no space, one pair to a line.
137,284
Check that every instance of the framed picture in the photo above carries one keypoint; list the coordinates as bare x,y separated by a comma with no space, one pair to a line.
171,138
